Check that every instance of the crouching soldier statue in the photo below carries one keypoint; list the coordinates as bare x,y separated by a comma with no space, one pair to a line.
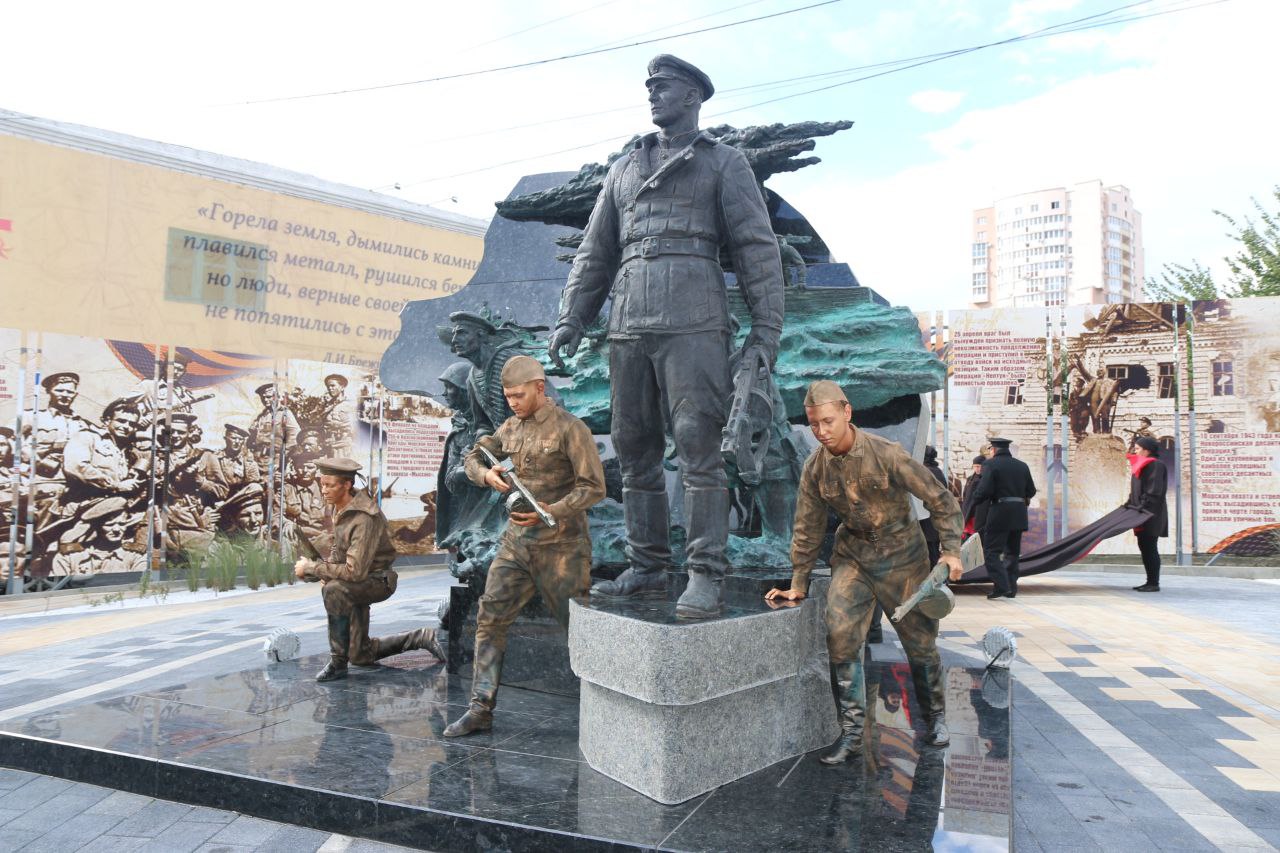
879,556
356,574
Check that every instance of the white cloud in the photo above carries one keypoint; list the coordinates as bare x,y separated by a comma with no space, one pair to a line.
1027,15
936,100
1185,132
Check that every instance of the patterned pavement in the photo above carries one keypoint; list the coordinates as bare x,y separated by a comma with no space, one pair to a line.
1141,722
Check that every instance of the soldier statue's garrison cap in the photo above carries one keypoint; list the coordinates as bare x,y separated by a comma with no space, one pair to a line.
466,318
824,391
55,378
664,66
338,466
521,369
1000,442
232,429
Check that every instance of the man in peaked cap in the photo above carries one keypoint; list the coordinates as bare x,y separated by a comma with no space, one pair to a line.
355,574
229,469
666,209
263,439
880,555
554,455
54,426
339,416
1006,487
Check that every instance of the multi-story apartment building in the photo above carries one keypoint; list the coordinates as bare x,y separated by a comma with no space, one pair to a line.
1078,245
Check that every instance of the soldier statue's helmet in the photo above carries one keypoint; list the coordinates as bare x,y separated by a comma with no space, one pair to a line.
232,429
664,66
938,603
822,392
456,374
58,378
467,318
337,377
520,369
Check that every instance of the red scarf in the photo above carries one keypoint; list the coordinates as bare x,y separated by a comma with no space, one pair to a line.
1137,463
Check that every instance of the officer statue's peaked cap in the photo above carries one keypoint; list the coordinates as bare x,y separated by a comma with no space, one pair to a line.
520,369
824,391
338,466
664,66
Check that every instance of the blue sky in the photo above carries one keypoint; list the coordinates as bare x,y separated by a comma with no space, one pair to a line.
1175,107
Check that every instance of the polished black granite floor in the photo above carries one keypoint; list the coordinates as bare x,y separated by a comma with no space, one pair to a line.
365,757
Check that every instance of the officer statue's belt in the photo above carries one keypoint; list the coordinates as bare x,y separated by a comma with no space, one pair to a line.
651,247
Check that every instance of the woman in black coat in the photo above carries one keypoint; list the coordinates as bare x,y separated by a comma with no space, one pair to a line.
1147,492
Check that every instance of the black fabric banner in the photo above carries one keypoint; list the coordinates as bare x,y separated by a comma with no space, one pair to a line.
1073,547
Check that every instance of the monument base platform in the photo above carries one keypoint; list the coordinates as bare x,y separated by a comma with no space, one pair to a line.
365,757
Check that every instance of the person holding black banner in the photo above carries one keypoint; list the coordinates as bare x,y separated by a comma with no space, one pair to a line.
1147,492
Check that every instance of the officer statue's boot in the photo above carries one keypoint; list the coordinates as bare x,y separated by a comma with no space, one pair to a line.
339,642
484,695
930,693
706,513
850,684
702,598
423,638
648,526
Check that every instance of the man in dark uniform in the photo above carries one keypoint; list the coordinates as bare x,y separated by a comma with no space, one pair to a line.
555,457
1006,487
356,574
666,209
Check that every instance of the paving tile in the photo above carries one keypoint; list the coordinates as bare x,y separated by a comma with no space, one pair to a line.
11,841
246,830
152,819
34,793
181,837
120,803
295,839
10,779
71,833
202,814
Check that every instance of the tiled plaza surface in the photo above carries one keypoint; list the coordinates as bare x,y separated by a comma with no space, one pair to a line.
1141,722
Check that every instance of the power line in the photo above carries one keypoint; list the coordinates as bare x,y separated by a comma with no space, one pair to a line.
536,62
543,24
780,83
1096,21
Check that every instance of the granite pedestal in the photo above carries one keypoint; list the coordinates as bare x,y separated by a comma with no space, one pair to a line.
674,708
365,757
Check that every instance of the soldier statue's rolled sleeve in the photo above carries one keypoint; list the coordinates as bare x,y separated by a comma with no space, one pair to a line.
809,530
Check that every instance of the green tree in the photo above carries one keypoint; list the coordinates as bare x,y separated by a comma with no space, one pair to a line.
1255,267
1182,283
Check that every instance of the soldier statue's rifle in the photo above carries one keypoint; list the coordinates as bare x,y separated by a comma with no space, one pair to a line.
936,580
309,550
935,584
520,499
745,440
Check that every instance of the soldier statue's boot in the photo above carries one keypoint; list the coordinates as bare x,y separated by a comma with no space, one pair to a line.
706,513
648,547
339,642
850,684
930,693
484,695
422,638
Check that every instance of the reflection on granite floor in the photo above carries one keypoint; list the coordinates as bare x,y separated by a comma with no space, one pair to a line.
366,757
